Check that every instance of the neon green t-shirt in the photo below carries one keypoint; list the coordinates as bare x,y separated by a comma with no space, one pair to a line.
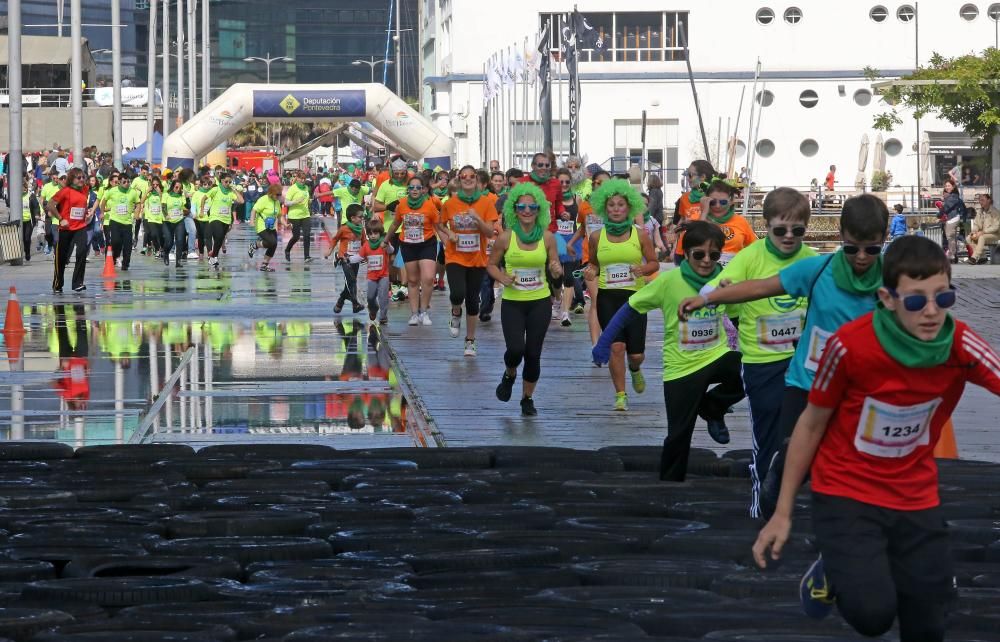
343,194
152,209
48,191
140,185
688,346
120,204
265,207
173,206
300,209
198,207
221,208
769,328
387,193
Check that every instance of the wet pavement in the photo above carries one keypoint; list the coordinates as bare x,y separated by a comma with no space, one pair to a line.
206,356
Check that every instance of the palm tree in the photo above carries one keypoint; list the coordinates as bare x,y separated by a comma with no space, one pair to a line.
250,135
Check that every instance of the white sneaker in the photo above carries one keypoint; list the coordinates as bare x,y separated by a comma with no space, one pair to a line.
414,319
565,320
173,257
118,263
213,261
192,255
470,347
556,312
426,318
454,325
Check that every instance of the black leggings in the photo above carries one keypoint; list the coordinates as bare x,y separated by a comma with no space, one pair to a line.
154,231
218,231
202,235
524,326
350,291
463,285
300,227
121,242
172,238
135,232
27,227
269,240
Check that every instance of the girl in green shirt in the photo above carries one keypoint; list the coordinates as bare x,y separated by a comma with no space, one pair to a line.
265,216
174,207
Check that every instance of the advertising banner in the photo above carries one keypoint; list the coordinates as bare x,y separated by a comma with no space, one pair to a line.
309,103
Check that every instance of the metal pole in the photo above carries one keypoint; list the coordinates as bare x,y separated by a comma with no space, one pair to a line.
192,46
694,92
165,82
206,56
916,65
116,79
180,62
119,402
15,156
76,81
151,83
399,62
753,108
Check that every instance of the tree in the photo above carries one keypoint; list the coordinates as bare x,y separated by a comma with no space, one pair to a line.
964,90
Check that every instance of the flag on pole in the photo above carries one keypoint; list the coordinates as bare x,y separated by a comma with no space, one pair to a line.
586,36
544,95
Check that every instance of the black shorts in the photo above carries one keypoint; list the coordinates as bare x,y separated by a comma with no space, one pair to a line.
440,254
633,335
862,544
423,251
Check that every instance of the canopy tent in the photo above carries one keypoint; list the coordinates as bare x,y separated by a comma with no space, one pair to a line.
139,153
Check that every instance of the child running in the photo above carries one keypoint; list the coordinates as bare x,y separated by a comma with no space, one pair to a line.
694,354
345,245
378,254
886,384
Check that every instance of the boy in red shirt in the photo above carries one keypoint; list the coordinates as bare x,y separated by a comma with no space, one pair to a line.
346,245
69,205
886,384
378,253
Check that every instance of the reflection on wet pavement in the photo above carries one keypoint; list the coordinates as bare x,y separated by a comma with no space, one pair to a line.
118,373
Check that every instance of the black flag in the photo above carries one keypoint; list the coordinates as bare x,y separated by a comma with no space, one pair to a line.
544,95
586,36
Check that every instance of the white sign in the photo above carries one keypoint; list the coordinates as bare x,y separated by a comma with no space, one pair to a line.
131,96
29,99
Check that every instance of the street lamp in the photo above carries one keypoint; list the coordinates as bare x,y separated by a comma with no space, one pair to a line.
371,63
267,60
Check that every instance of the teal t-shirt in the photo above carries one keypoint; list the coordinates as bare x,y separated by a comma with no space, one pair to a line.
829,308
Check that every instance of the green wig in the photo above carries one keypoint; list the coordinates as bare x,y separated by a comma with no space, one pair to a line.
617,187
526,188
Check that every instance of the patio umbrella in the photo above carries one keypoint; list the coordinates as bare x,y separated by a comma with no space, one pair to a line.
925,160
859,180
878,156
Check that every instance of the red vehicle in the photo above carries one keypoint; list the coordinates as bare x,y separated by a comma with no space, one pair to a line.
257,159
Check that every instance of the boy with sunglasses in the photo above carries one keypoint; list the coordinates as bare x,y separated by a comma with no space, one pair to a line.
769,328
840,287
886,385
695,356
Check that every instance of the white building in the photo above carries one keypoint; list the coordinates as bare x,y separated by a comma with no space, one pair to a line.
817,103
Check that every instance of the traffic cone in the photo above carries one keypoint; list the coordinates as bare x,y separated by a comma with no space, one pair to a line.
109,265
946,447
13,323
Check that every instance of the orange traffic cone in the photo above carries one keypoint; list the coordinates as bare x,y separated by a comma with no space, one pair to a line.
109,265
13,323
946,447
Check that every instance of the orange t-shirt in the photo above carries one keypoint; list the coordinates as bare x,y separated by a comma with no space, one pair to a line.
470,251
738,233
417,225
588,220
378,261
350,243
689,212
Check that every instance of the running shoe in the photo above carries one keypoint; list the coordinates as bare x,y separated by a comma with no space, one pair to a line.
142,251
556,312
414,319
224,247
506,387
470,348
213,261
528,407
454,325
337,308
166,260
565,320
252,248
621,401
770,488
357,307
264,267
80,288
56,290
638,381
194,255
171,257
308,259
426,318
718,430
288,256
400,295
815,592
485,318
384,321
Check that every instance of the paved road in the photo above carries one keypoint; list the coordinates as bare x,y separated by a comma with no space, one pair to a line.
279,328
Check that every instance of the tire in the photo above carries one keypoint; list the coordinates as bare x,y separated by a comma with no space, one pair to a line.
628,507
136,452
437,458
154,566
392,539
625,599
482,559
239,523
267,451
571,543
247,550
577,460
520,582
653,571
489,516
34,450
566,621
202,470
410,497
21,623
336,572
416,632
25,571
976,531
357,463
118,592
35,498
646,530
279,485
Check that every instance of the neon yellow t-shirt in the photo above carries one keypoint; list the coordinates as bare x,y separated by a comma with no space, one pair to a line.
222,201
300,209
120,204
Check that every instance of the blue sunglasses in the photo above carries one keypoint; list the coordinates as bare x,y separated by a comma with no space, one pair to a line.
917,302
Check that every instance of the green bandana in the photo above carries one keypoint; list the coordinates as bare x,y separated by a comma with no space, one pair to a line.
476,195
860,284
533,236
354,228
224,189
694,279
416,204
204,190
569,195
300,184
730,213
535,177
374,243
773,249
906,348
617,229
695,195
124,189
397,183
441,192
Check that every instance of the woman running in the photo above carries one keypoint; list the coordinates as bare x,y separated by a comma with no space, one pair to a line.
152,212
621,258
199,212
567,291
175,208
265,216
526,248
589,222
220,214
468,222
417,216
689,206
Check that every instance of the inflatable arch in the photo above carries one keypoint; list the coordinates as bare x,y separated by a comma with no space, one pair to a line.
243,103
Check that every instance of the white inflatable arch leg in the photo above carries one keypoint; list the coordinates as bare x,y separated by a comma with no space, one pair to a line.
244,102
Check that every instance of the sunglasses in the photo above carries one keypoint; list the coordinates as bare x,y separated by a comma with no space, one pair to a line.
468,177
917,302
564,182
719,202
798,231
415,188
699,255
526,207
543,165
870,250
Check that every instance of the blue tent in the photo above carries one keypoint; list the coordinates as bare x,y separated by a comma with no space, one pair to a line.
139,153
